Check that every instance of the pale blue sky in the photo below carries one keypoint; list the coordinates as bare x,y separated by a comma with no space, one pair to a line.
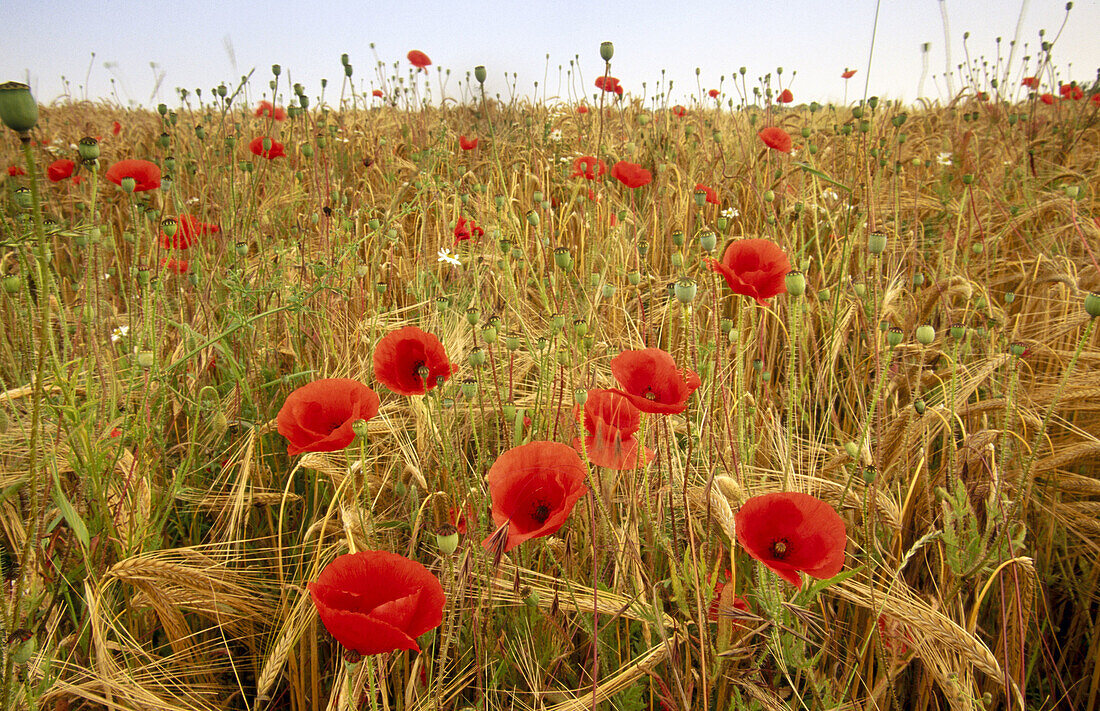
55,38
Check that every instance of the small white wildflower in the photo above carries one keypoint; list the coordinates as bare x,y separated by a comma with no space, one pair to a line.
829,194
119,333
944,158
731,212
446,256
555,135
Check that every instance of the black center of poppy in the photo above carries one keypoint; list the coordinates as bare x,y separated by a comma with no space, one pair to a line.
780,548
650,395
541,512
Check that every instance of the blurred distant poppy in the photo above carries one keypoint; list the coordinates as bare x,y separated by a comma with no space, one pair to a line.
777,138
256,145
791,532
609,84
1095,98
631,175
319,416
1071,91
785,97
610,421
848,74
588,167
1030,82
14,170
375,602
419,60
188,230
146,175
377,93
78,179
582,109
713,93
59,170
712,197
116,127
467,144
754,267
409,361
534,488
679,111
651,381
267,109
1047,99
176,266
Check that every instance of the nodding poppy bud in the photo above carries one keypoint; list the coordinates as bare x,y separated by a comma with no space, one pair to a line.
446,537
479,73
1092,304
685,290
607,51
796,283
88,148
18,109
876,242
925,334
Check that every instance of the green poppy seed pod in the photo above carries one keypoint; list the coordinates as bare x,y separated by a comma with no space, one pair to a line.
12,283
894,336
769,196
489,334
222,90
1010,297
678,238
532,218
723,224
442,302
509,411
700,198
128,184
18,109
805,132
564,357
512,341
608,291
241,249
162,109
580,327
1092,304
169,226
307,150
1017,349
563,259
899,120
446,537
685,290
469,388
380,287
276,69
479,73
348,71
677,260
846,129
304,101
957,330
643,248
926,334
869,474
1012,119
88,148
634,277
876,242
536,196
708,241
473,315
170,163
642,119
977,248
796,283
1072,191
918,279
144,359
622,215
344,59
607,51
857,112
359,427
864,126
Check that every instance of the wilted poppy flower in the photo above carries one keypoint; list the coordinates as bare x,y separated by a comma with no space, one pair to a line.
609,84
589,167
14,170
1047,99
188,230
679,111
712,197
318,417
419,60
270,111
775,137
59,170
610,421
582,109
631,175
848,74
464,230
785,97
408,361
116,128
713,93
534,488
176,266
467,144
146,175
1071,91
377,93
1030,82
651,380
256,145
374,602
791,532
754,267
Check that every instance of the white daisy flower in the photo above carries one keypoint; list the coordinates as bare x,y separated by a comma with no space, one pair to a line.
119,333
446,256
731,212
944,158
555,135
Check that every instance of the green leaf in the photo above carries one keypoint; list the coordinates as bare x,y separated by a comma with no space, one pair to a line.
71,517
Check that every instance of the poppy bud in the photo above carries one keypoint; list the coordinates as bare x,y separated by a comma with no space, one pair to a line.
876,242
708,241
926,334
796,283
607,51
479,73
88,148
446,537
359,427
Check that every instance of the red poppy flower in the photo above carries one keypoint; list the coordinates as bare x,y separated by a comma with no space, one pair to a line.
713,93
534,487
176,266
59,170
582,109
408,361
270,111
146,175
78,179
1047,99
464,230
1030,82
610,421
791,532
458,518
679,111
377,93
777,138
374,602
257,148
786,97
188,230
589,167
116,128
754,267
712,197
848,74
419,60
631,175
14,170
467,144
651,380
609,84
318,417
1095,98
1071,91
